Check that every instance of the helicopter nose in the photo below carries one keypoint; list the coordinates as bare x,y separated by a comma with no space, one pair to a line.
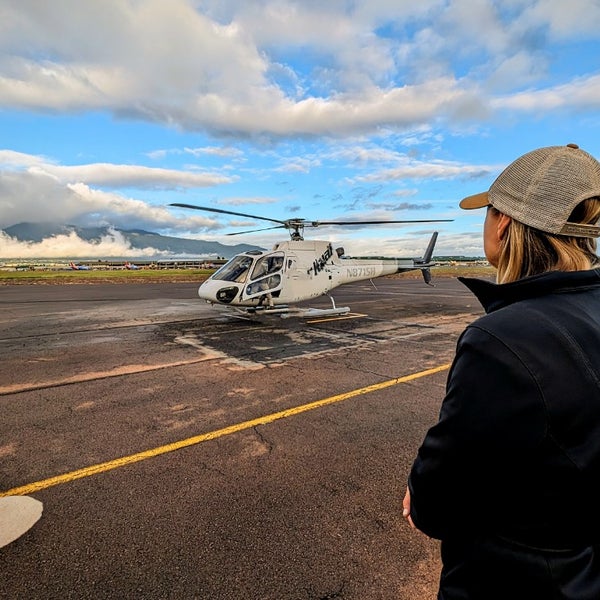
215,292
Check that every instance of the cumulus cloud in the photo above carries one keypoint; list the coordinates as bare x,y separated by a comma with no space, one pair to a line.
36,196
72,246
35,189
216,66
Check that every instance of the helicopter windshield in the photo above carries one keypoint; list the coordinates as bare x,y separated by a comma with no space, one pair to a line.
235,270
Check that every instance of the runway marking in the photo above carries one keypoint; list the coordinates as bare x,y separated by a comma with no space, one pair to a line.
212,435
327,319
17,388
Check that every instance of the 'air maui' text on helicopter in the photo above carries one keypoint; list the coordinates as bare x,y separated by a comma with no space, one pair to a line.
268,282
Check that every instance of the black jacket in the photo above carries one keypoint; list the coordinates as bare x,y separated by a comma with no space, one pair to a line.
509,478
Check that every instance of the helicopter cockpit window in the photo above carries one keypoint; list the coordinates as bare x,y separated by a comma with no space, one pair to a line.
272,263
235,270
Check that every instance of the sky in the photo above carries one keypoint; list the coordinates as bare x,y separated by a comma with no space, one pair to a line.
110,110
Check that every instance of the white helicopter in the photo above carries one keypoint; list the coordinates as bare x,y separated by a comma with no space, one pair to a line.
269,281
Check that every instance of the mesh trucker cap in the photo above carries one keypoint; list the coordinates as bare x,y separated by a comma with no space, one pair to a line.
541,189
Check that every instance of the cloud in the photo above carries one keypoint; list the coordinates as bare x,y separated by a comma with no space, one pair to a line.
434,170
219,151
33,188
250,200
365,154
19,160
217,67
404,193
72,246
298,164
581,93
110,175
37,196
222,151
412,244
564,19
400,206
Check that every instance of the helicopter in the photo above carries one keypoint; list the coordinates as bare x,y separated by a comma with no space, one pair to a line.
269,282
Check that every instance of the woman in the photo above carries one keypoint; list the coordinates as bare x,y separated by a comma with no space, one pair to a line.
509,477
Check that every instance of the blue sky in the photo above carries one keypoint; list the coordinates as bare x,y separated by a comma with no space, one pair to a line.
375,109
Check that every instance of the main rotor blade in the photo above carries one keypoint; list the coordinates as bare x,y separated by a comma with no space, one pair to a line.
317,223
255,230
225,212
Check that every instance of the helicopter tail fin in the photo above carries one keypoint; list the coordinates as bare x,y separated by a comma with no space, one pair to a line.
429,250
426,260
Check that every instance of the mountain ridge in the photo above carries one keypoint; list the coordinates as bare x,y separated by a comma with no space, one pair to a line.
137,239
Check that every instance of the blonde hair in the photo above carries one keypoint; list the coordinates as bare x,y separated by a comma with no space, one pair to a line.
526,251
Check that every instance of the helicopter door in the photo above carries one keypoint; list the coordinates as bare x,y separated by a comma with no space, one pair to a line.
266,276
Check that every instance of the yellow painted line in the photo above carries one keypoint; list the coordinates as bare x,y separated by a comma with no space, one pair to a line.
327,319
212,435
94,375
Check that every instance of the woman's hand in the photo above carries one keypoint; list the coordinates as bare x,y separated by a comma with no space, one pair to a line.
406,508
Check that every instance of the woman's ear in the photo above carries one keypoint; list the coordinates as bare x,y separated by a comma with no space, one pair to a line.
503,223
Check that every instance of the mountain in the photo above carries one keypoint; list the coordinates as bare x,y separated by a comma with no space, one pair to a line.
137,238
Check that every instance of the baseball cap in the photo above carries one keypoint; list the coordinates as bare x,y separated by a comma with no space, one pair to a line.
541,189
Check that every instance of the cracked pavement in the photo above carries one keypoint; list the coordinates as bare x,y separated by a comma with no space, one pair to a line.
303,507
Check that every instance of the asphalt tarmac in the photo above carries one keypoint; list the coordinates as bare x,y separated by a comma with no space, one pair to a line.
182,453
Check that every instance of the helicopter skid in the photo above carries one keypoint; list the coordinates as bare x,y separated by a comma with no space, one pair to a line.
285,311
268,310
317,312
